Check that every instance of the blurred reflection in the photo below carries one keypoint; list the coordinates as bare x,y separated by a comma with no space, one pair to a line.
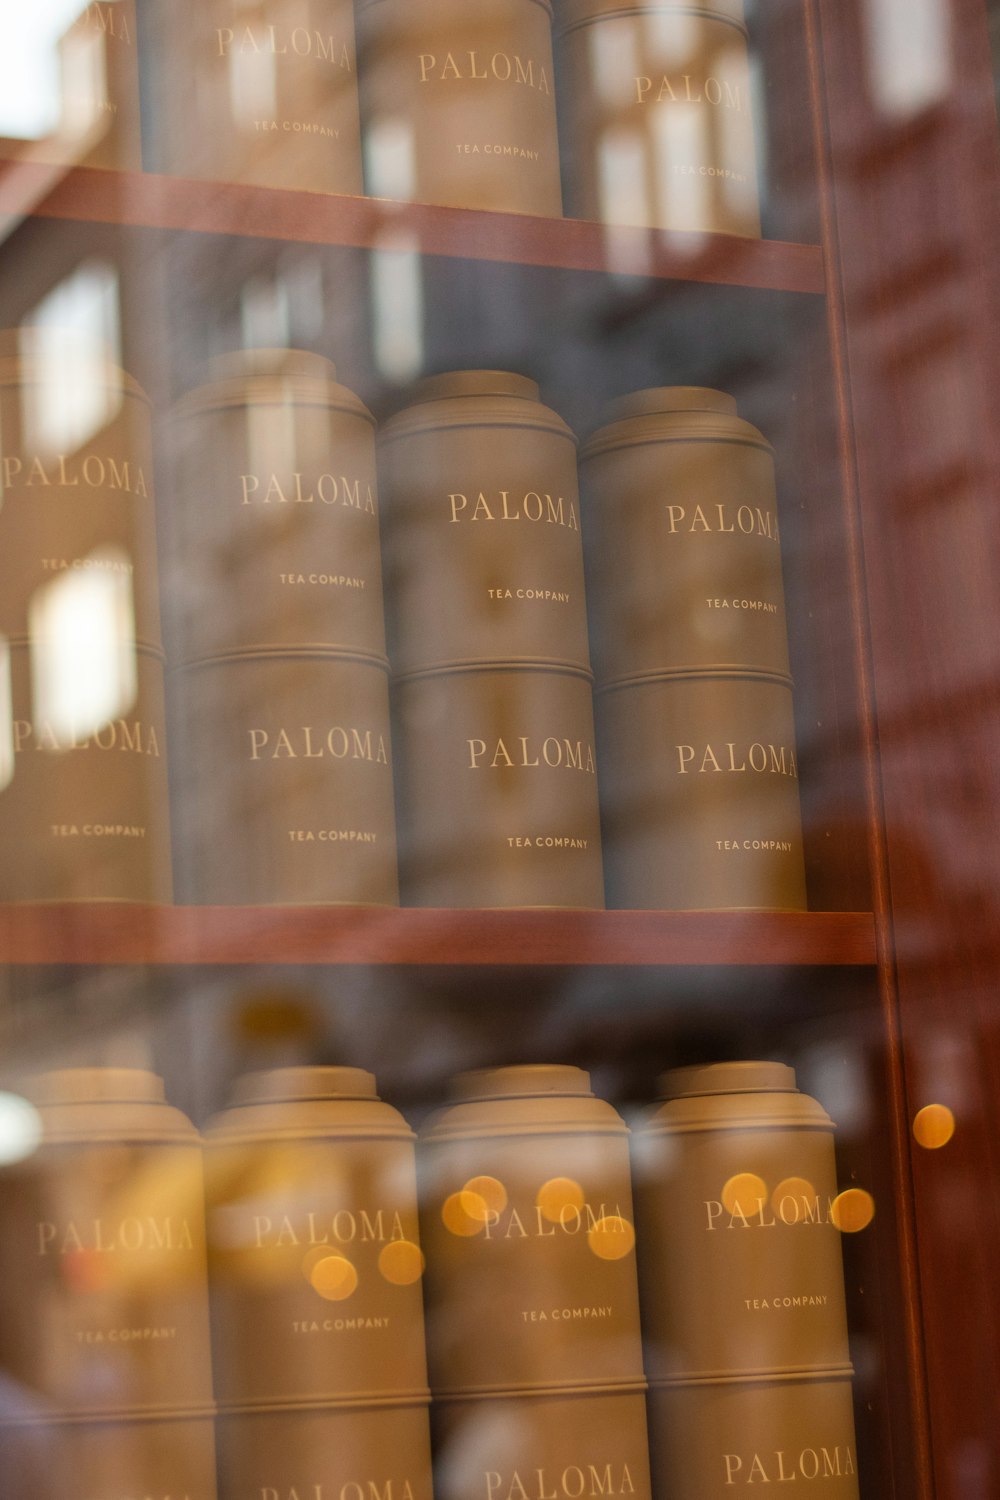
398,307
559,1197
401,1262
488,1191
390,168
464,1214
83,663
744,1195
20,1129
6,717
253,85
334,1278
933,1126
611,1238
78,321
909,54
853,1210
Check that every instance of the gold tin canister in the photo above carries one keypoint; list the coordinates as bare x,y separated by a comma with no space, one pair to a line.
278,508
314,1250
458,103
284,790
484,524
103,1286
316,1271
657,127
700,792
77,481
84,802
532,1304
164,1457
716,1438
527,1224
270,94
498,787
739,1255
355,1450
685,545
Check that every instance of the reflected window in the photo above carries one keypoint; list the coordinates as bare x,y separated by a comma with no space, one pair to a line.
72,337
909,54
398,307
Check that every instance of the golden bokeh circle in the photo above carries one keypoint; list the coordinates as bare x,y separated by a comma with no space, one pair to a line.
933,1126
464,1214
492,1193
557,1197
745,1194
611,1238
792,1187
334,1278
853,1210
401,1262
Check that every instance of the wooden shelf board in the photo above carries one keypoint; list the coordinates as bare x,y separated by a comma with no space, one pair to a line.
149,200
113,933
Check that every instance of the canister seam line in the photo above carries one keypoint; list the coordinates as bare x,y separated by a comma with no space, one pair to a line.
785,1374
638,10
695,674
364,1399
628,1387
522,664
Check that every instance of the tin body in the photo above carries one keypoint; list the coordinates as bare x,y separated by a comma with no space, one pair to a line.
484,522
700,792
315,1270
84,812
104,1281
459,103
163,1457
77,487
273,94
657,126
284,779
498,787
742,1285
533,1319
278,509
686,543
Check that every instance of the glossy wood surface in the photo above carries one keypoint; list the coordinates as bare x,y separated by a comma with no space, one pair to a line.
149,200
92,933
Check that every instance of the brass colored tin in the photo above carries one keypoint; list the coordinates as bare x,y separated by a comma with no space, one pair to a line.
718,1438
658,127
526,1218
559,1445
498,787
459,105
700,794
84,812
102,1254
685,542
484,514
278,508
77,480
284,790
314,1251
160,1457
739,1256
269,94
352,1451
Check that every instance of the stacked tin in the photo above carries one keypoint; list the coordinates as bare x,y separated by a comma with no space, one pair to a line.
698,760
533,1320
270,96
498,785
316,1274
743,1286
285,789
83,782
104,1330
459,103
656,104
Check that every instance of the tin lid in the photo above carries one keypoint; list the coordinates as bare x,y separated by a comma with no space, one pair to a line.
530,1080
316,1104
531,1100
673,413
728,1078
304,1083
100,1105
257,377
33,356
573,13
474,398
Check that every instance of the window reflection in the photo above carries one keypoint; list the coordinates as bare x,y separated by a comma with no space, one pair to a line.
909,54
76,324
398,307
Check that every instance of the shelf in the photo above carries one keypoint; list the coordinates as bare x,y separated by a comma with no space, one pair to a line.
95,933
146,200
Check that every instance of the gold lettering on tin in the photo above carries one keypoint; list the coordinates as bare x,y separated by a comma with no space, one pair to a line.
683,90
539,508
570,755
111,19
501,66
306,743
278,41
750,520
783,1468
773,760
575,1482
326,489
135,738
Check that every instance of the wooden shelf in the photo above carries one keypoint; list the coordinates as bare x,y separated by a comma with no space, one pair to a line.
146,200
112,933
